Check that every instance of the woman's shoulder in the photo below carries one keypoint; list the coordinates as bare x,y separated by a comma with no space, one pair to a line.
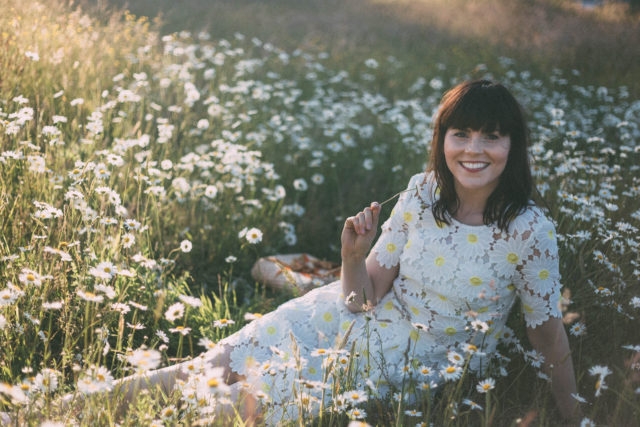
425,187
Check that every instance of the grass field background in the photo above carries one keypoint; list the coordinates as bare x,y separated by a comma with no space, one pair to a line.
148,162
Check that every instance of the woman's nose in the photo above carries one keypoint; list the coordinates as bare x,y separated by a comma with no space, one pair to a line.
475,143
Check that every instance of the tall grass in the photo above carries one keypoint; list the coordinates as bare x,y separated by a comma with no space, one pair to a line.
135,168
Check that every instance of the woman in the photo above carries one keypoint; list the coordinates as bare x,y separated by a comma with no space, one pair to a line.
463,241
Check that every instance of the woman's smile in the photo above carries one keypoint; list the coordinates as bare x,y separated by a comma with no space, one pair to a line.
476,159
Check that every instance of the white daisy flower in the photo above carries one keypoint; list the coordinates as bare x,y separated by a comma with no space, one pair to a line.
186,246
389,247
472,242
440,262
254,235
175,311
507,255
540,276
485,385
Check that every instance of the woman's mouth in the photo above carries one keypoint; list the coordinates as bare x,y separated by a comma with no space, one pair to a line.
474,166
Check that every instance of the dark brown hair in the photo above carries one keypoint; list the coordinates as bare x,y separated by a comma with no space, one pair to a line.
484,106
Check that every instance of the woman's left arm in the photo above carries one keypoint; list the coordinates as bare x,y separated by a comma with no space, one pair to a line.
550,339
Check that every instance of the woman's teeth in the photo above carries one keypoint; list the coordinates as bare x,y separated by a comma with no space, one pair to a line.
474,166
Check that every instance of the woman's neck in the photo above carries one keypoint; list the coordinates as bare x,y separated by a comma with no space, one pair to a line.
472,203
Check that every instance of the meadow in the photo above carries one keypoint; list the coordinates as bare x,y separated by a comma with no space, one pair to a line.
143,174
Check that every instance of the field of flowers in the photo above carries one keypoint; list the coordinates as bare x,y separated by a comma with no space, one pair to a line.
142,176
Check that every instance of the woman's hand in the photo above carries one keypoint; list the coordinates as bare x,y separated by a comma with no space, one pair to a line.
358,233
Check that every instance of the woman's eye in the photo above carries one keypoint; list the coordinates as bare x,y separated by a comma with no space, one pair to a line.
460,134
493,136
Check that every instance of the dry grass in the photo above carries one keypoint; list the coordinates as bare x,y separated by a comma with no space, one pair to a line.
603,43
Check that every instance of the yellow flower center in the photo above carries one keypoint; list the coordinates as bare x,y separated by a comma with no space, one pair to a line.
475,281
486,386
388,305
450,370
327,317
391,248
407,217
271,330
472,238
213,382
450,331
31,277
543,275
439,261
512,258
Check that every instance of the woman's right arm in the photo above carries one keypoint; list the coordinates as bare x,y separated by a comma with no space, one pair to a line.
360,276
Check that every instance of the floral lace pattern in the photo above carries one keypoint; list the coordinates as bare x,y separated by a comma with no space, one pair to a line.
456,286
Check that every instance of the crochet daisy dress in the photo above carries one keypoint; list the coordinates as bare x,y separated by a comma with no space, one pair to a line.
455,287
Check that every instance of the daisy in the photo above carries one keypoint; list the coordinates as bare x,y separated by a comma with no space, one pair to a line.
212,383
90,296
300,184
578,329
451,372
105,270
472,243
30,277
206,343
56,305
185,246
144,359
252,316
223,323
96,379
7,297
320,352
47,380
128,240
357,413
180,330
190,301
485,385
471,404
254,235
455,358
356,396
425,371
541,275
413,413
441,262
131,224
211,191
175,311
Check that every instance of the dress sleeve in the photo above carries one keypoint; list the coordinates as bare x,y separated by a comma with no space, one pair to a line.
537,279
395,229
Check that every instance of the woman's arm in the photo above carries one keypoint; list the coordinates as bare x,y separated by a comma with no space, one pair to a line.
550,339
365,278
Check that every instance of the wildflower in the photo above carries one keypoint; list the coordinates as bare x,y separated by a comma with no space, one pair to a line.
211,191
300,184
252,316
175,311
30,277
131,224
3,322
425,370
420,326
190,301
56,305
357,413
213,383
230,259
317,178
320,352
90,296
104,270
254,235
455,358
578,329
206,343
163,337
471,404
413,413
185,246
358,424
223,323
355,396
451,372
586,422
96,379
180,330
7,297
480,326
602,372
579,398
144,359
486,385
47,380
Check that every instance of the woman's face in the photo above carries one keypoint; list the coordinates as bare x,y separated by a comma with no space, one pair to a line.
475,158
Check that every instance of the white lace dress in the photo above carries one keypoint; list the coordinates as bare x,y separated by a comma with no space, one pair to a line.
450,276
